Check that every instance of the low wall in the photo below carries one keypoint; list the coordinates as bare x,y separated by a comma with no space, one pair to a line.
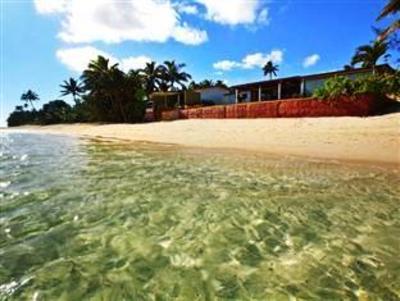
363,105
170,115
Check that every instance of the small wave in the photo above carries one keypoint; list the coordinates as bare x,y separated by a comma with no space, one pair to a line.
10,288
5,184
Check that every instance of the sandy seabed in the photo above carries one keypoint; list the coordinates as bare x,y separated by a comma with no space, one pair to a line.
372,139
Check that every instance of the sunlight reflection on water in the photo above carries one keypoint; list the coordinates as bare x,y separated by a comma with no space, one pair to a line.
112,221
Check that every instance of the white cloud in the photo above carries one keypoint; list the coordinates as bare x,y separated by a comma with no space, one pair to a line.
134,62
234,12
259,59
118,21
77,59
185,8
189,35
311,60
250,61
225,65
50,6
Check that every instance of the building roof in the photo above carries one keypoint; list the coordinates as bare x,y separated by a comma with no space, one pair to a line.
211,88
384,67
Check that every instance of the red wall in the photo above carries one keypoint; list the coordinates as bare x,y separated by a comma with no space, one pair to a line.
362,105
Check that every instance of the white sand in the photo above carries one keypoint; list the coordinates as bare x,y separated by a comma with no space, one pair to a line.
372,139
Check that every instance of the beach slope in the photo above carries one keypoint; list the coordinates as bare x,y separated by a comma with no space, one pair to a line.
372,139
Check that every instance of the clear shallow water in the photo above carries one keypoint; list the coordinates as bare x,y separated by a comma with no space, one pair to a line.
87,220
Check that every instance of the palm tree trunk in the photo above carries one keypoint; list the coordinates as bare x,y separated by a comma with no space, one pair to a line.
121,109
33,108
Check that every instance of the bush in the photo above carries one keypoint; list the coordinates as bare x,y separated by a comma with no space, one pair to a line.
380,85
56,111
21,117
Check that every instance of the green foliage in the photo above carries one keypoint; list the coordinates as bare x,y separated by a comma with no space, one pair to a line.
207,83
72,87
377,84
106,94
270,69
56,111
113,96
368,55
21,117
29,97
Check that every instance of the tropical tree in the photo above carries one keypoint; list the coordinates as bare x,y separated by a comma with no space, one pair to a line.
151,75
206,83
29,96
171,73
391,8
102,81
368,55
112,94
193,85
270,69
220,83
73,88
56,111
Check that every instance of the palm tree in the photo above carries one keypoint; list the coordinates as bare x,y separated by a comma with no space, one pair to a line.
193,85
104,81
391,8
221,84
151,74
207,83
270,69
368,55
171,74
29,96
72,87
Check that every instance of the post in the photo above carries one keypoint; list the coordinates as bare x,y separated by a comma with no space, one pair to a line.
302,86
279,90
236,96
259,93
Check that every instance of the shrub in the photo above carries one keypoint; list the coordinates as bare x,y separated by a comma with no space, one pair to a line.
22,117
56,111
380,85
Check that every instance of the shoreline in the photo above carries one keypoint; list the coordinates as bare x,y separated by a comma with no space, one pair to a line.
370,140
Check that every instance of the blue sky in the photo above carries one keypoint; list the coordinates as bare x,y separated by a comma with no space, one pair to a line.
47,41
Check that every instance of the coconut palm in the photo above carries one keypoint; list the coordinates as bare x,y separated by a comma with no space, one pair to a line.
207,83
270,69
368,55
29,96
193,85
391,8
220,83
73,88
151,75
171,74
103,81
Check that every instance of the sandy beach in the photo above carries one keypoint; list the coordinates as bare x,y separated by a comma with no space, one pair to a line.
373,139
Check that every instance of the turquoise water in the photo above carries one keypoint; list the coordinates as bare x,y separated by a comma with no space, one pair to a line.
97,220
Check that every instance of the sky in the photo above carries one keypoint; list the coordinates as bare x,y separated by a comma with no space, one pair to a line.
44,42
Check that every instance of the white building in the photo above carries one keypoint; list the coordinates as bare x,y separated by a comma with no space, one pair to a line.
215,95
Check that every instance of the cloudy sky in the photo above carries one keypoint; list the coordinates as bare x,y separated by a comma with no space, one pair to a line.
47,41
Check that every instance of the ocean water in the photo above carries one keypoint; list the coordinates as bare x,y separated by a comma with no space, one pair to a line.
99,220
